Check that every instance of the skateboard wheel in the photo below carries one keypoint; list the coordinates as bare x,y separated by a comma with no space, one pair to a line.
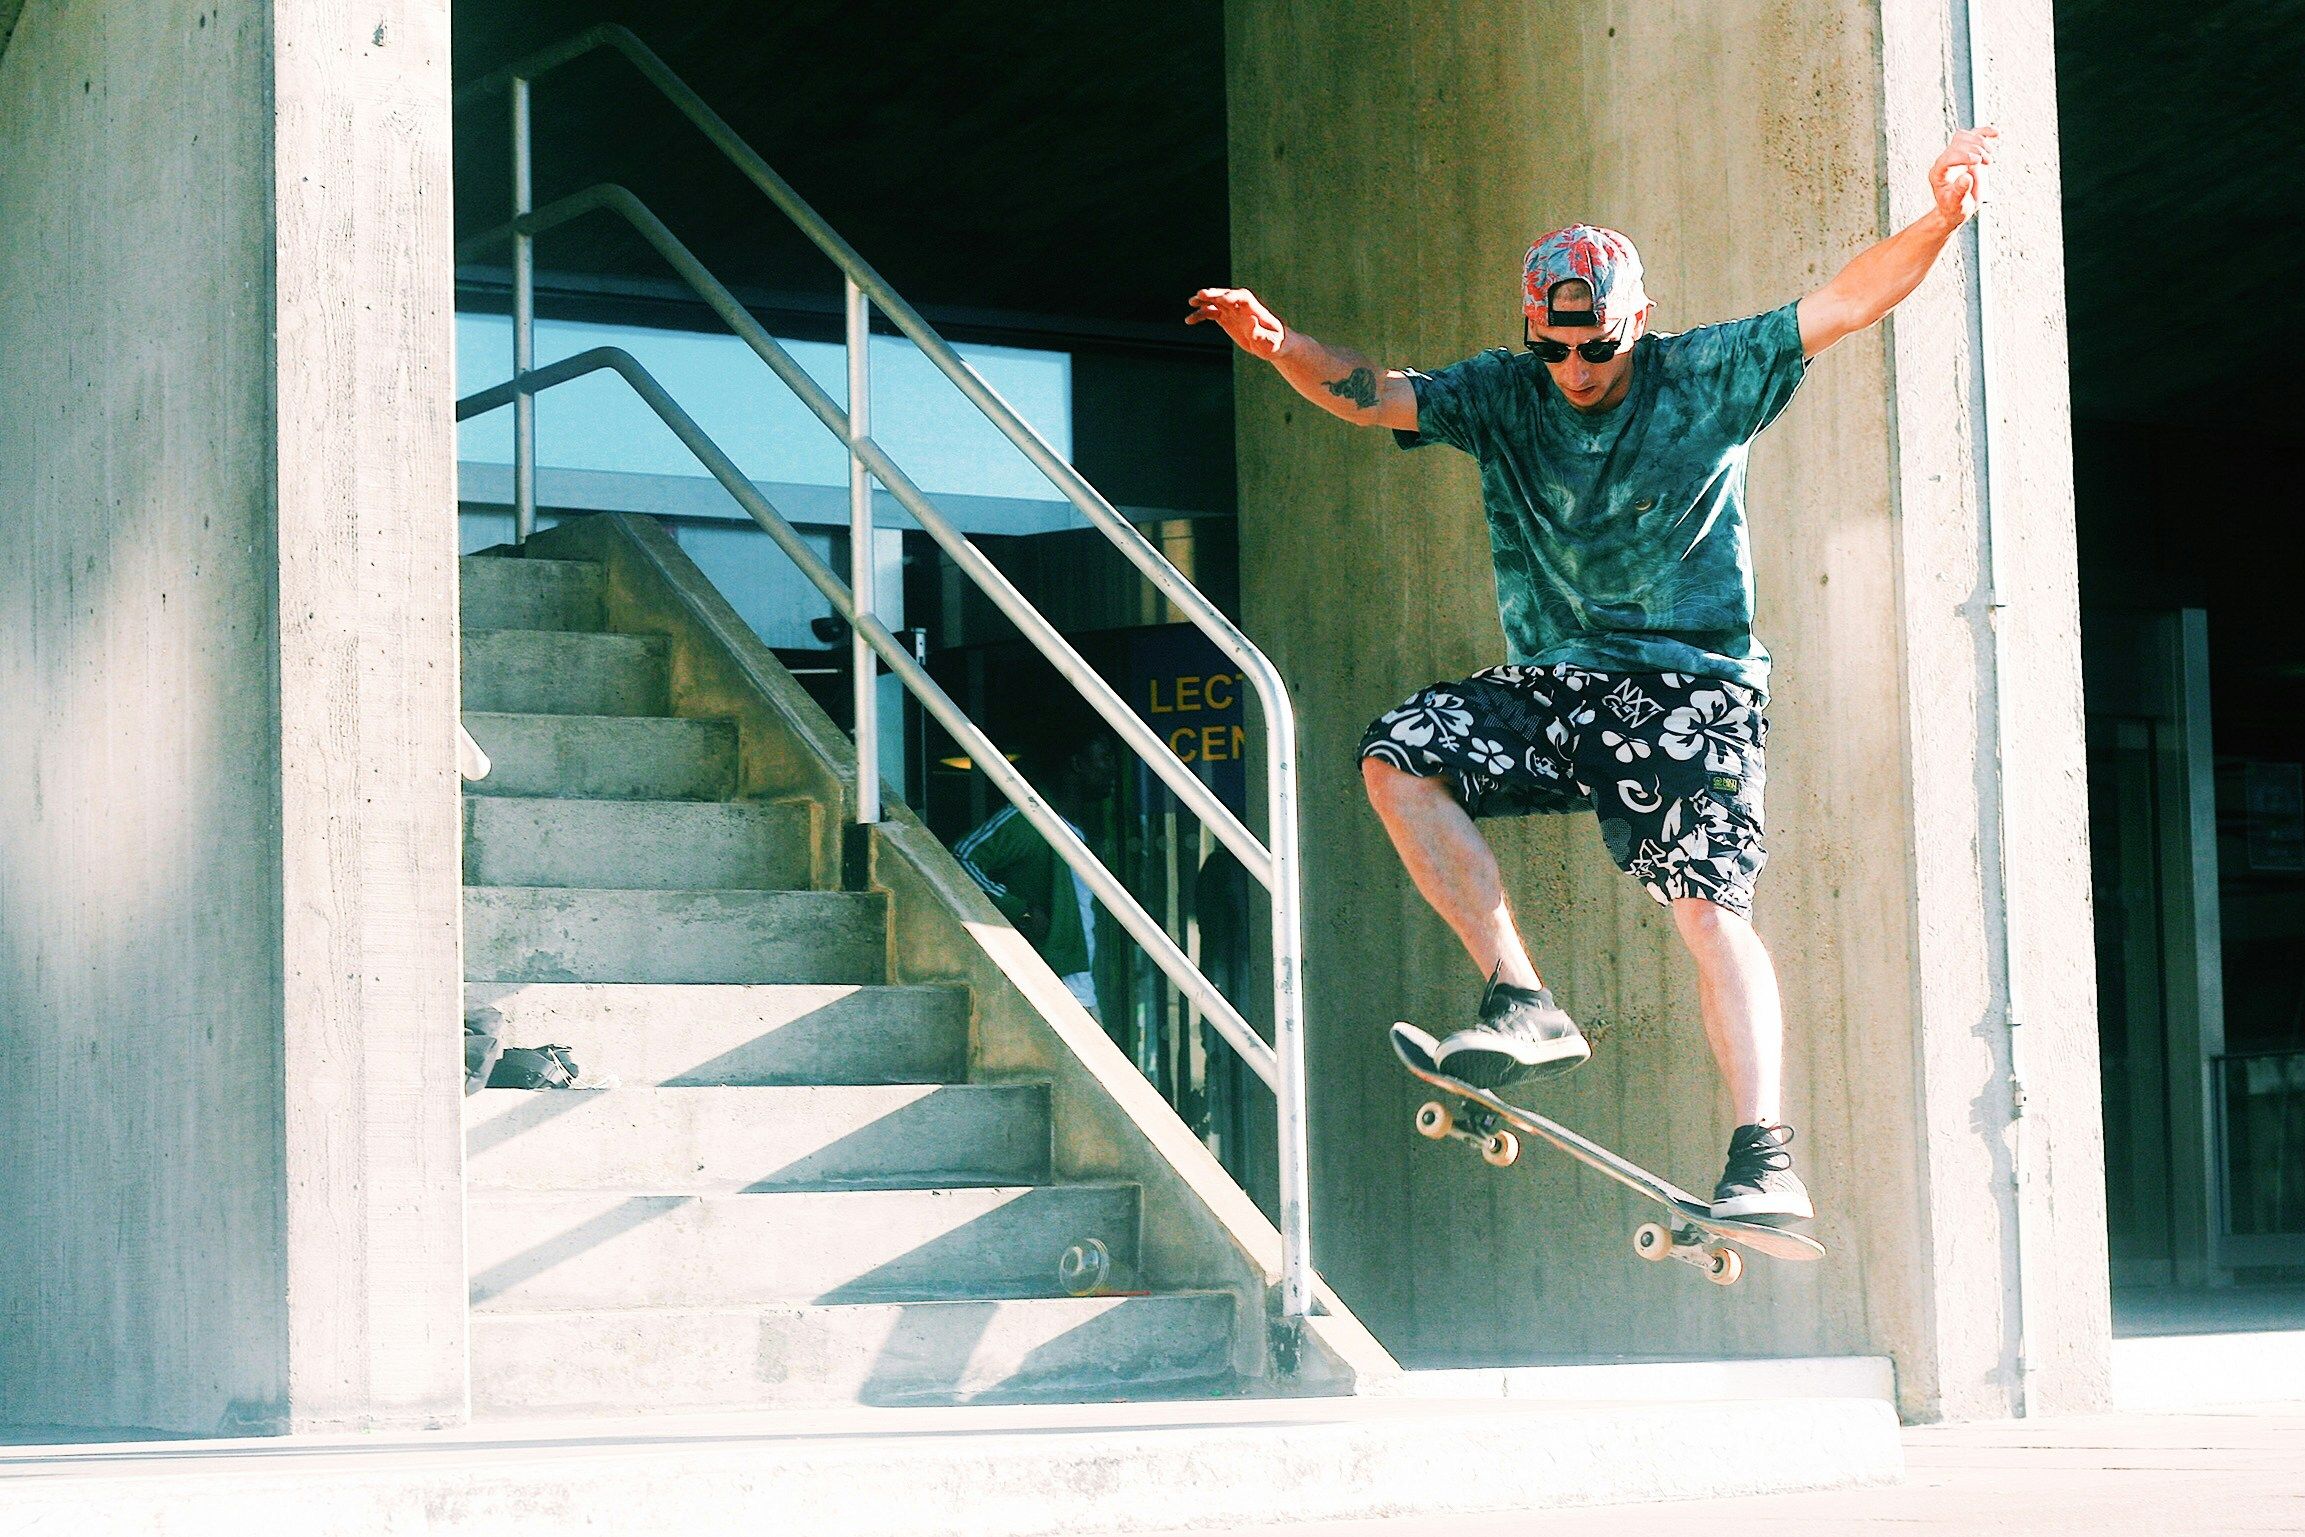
1434,1120
1652,1240
1501,1148
1726,1266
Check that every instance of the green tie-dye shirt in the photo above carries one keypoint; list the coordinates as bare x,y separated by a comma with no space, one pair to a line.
1619,537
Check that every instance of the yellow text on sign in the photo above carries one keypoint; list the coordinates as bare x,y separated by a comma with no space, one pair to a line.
1218,691
1208,744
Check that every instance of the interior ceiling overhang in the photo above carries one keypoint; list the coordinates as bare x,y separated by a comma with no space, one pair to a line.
1063,160
1068,160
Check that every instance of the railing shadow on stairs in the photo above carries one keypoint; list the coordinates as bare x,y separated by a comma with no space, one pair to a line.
1279,1063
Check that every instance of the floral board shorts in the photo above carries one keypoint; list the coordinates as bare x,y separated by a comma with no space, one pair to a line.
1670,765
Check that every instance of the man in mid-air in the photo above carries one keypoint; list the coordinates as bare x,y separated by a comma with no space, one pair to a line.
1613,472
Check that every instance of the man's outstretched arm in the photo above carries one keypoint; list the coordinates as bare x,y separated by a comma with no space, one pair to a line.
1877,280
1337,379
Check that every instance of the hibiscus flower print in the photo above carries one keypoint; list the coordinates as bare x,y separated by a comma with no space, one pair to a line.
1434,719
1629,749
1494,757
1711,723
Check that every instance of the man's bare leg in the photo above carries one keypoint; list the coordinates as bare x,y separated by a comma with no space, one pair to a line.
1737,994
1744,1021
1452,865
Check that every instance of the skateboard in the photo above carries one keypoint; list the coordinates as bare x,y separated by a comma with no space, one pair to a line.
1690,1232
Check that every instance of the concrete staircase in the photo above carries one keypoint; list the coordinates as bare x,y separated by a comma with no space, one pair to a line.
792,1194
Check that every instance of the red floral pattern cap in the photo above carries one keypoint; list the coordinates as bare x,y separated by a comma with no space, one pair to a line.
1602,258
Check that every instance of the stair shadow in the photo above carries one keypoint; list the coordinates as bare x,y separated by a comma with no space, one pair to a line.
1009,1251
936,1353
561,1247
827,1034
885,1153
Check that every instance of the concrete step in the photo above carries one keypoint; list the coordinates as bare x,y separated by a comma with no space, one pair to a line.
503,593
561,672
548,934
758,1138
611,1249
670,1359
637,845
737,1035
604,757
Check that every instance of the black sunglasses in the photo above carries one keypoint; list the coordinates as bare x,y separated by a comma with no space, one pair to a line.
1558,352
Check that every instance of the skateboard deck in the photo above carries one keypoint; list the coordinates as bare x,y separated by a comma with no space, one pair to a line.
1690,1232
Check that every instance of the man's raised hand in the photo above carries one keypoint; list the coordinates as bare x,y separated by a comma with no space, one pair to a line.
1957,180
1242,316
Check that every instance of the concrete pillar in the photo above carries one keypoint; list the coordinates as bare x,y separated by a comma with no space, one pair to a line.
229,967
1389,164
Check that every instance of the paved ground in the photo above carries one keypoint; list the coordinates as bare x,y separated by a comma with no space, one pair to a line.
2167,1475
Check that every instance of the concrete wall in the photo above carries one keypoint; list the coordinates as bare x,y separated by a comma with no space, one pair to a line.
1389,164
228,891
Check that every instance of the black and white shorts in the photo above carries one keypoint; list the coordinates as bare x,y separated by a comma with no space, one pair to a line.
1670,765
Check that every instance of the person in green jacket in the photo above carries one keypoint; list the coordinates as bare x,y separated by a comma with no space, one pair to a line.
1030,882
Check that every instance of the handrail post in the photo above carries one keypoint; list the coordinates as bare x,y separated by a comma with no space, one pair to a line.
523,321
863,667
1290,1097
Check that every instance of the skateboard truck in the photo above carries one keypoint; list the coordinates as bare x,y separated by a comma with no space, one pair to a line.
1482,1129
1721,1264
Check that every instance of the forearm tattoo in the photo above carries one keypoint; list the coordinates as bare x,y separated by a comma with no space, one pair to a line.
1359,387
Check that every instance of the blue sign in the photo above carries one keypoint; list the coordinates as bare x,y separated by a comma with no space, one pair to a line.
1193,697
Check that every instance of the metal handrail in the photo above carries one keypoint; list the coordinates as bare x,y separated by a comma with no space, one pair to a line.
1277,866
1189,787
1142,926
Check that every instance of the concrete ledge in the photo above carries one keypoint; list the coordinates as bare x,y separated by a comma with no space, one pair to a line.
2198,1371
1214,1466
1657,1381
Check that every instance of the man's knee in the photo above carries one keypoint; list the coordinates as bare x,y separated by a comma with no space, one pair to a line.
1388,784
1703,921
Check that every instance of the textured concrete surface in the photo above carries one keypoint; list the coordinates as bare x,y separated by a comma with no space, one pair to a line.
1750,151
561,672
2206,1474
635,845
495,593
555,934
1212,1466
227,793
605,756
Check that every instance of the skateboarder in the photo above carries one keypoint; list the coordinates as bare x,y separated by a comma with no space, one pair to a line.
1613,473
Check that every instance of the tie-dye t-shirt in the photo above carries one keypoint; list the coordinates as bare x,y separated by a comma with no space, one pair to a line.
1619,537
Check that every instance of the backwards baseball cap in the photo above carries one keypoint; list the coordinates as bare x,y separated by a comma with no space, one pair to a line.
1600,259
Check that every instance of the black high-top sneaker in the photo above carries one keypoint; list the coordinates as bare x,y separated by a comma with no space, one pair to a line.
1759,1184
1522,1035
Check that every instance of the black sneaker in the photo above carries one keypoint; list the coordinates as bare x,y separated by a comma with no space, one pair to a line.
1522,1035
1759,1184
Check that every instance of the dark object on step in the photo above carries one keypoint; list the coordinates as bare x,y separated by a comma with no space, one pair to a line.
481,1050
535,1067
